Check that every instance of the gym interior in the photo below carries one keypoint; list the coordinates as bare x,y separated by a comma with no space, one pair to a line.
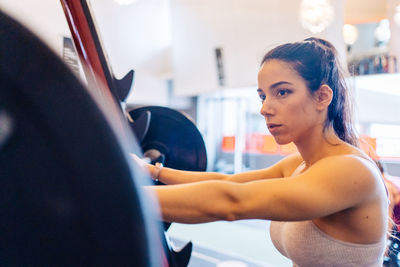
168,80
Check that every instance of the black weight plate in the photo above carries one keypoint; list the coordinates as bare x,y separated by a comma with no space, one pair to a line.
174,135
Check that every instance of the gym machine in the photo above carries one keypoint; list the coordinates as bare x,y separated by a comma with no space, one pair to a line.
70,192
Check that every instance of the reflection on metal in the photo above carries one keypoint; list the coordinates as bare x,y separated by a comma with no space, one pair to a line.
69,55
6,127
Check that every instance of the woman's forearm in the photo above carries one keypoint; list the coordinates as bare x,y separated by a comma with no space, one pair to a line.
172,176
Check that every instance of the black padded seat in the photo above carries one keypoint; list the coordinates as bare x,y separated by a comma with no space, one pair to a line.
69,194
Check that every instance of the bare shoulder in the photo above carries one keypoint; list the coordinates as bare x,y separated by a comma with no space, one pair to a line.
353,163
289,164
353,171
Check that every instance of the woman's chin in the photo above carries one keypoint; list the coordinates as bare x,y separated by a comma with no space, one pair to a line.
282,141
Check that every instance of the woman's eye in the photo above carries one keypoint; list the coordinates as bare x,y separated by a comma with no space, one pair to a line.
262,98
283,92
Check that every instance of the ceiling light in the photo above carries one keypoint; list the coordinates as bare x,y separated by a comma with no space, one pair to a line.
396,16
316,15
125,2
350,34
382,32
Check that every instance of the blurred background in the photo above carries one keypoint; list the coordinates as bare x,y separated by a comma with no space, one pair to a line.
202,56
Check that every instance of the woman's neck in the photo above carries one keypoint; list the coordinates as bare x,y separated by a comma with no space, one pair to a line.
316,146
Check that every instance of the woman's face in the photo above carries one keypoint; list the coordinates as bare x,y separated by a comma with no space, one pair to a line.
287,105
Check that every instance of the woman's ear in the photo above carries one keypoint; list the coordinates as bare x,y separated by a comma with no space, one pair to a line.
323,97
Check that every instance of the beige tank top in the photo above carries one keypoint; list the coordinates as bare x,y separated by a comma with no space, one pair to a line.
306,245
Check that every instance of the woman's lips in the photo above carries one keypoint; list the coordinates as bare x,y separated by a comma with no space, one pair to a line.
273,128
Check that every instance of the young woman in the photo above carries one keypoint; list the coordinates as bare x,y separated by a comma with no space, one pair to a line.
327,203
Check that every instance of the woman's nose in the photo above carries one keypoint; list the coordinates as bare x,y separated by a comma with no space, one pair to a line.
266,108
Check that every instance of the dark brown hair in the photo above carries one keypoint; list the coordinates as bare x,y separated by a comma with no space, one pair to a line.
316,61
380,166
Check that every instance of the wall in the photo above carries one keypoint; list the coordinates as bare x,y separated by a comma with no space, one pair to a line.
244,29
43,17
138,37
362,11
135,37
377,98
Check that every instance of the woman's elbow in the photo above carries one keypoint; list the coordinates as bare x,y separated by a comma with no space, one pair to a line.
230,213
236,208
230,202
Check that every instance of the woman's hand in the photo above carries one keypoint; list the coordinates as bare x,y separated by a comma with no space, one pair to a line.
138,160
142,162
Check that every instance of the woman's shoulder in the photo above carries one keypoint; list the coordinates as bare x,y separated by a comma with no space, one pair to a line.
353,159
353,175
347,155
347,162
351,168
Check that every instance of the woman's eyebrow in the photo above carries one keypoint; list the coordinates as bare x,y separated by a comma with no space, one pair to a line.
278,84
274,85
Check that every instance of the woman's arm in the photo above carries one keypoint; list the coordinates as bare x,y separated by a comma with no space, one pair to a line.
329,186
281,169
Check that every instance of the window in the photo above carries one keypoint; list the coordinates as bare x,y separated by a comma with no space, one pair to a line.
387,140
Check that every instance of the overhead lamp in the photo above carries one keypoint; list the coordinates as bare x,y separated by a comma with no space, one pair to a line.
125,2
316,15
350,34
396,16
382,32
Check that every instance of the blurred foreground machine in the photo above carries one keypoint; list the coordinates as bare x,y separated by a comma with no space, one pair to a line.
68,189
165,135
